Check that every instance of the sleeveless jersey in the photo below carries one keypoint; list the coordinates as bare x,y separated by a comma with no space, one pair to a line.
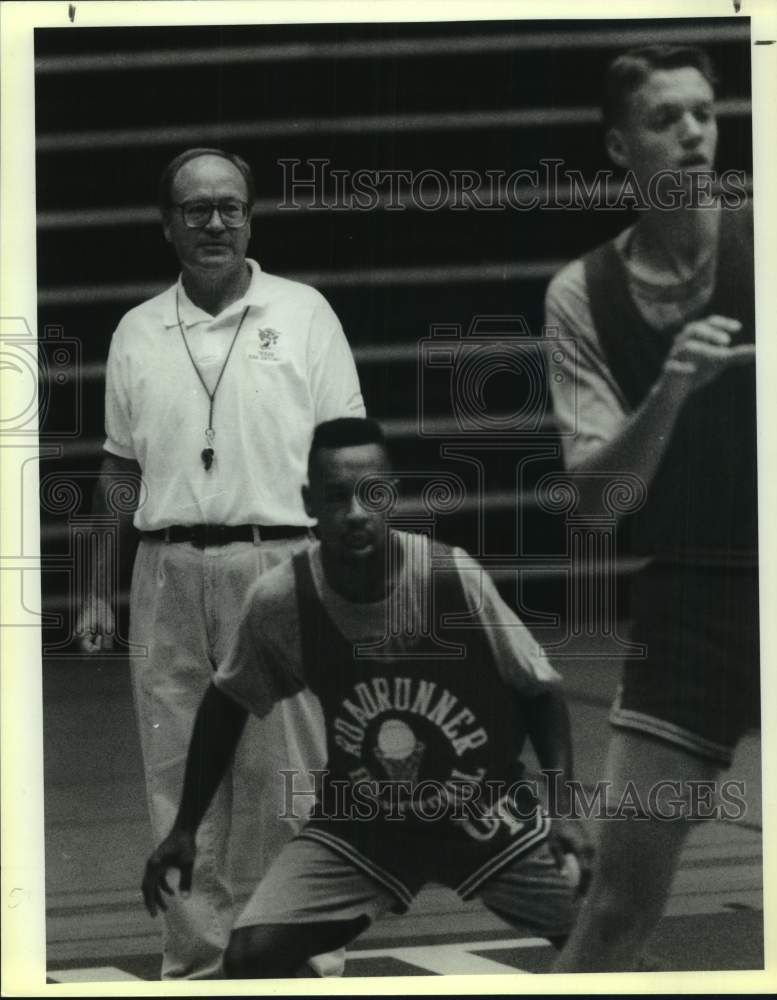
701,504
423,780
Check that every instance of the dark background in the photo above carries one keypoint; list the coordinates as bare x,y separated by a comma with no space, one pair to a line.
110,106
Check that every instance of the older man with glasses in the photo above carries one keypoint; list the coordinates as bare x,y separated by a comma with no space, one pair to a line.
213,389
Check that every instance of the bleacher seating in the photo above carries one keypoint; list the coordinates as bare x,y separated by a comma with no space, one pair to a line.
113,106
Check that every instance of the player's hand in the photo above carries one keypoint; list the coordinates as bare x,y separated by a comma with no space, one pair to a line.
95,626
177,850
572,849
704,348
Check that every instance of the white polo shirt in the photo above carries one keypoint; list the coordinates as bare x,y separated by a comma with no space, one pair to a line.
290,368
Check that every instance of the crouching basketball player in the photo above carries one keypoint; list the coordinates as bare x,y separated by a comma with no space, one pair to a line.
424,726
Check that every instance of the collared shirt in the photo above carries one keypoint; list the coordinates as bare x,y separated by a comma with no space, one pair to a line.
290,368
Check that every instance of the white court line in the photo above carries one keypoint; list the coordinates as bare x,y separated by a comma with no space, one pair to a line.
527,942
440,959
100,974
454,959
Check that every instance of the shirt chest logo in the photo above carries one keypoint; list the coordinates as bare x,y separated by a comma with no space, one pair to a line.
399,750
386,712
265,346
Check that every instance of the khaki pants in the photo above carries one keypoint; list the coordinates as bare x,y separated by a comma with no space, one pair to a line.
185,604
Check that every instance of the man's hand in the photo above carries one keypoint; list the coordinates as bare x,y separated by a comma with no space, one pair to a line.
705,348
177,850
569,837
95,626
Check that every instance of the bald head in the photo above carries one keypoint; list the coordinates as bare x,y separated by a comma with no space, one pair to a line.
171,171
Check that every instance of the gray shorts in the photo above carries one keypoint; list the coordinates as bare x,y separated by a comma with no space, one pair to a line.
309,883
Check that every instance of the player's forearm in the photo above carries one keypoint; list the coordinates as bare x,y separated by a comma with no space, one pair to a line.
640,444
549,729
218,727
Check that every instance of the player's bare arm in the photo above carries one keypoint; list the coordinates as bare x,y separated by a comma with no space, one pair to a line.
701,351
95,624
218,727
548,728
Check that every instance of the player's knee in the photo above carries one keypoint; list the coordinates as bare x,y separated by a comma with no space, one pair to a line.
257,953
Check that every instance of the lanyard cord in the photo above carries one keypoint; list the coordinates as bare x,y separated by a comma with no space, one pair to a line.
209,433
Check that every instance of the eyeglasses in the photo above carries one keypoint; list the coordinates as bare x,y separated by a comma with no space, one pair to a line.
197,214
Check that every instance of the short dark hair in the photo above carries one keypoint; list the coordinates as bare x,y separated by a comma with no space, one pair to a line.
167,180
630,70
346,432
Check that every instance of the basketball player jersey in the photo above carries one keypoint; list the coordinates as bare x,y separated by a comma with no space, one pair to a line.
423,780
701,503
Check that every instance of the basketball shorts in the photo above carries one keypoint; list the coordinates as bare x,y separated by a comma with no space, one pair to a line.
698,683
310,883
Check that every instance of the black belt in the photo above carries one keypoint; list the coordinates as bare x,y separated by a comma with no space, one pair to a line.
201,535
